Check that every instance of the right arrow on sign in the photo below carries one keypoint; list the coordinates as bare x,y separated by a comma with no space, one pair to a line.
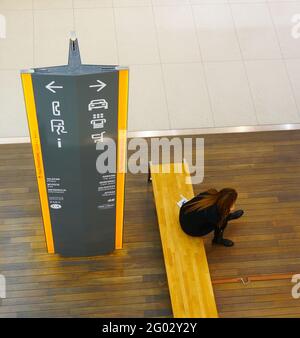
100,85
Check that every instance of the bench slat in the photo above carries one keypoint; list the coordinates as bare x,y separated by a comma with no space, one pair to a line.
186,265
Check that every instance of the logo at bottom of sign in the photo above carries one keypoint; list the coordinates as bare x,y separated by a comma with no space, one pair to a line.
55,206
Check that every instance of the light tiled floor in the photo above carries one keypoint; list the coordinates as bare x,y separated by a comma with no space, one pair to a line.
193,63
11,124
230,94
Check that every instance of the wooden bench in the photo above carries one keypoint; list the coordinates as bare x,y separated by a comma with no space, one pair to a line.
186,265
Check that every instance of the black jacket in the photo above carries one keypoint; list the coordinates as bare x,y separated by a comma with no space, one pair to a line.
201,222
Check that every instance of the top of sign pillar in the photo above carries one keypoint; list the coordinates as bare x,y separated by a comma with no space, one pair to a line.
73,36
74,52
74,66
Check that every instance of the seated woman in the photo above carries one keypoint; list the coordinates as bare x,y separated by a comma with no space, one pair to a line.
210,211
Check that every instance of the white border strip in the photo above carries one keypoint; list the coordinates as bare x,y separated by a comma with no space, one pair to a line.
221,130
10,140
179,132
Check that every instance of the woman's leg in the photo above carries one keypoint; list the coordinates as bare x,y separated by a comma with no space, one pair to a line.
218,236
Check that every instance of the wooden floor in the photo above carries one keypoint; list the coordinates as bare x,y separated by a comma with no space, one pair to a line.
263,167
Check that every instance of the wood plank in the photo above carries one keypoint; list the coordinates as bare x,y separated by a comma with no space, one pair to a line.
189,280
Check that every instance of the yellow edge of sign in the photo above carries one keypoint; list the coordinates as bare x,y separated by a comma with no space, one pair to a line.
38,157
121,155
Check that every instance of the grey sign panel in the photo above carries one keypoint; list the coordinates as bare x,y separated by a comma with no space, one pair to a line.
72,117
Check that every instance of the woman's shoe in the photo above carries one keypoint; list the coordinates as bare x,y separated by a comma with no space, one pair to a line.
235,215
222,241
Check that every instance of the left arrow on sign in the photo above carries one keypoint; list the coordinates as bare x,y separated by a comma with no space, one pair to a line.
51,86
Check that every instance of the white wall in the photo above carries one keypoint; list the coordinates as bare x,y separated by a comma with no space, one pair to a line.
193,63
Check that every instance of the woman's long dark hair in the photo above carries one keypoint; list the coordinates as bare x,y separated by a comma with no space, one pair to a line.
223,199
